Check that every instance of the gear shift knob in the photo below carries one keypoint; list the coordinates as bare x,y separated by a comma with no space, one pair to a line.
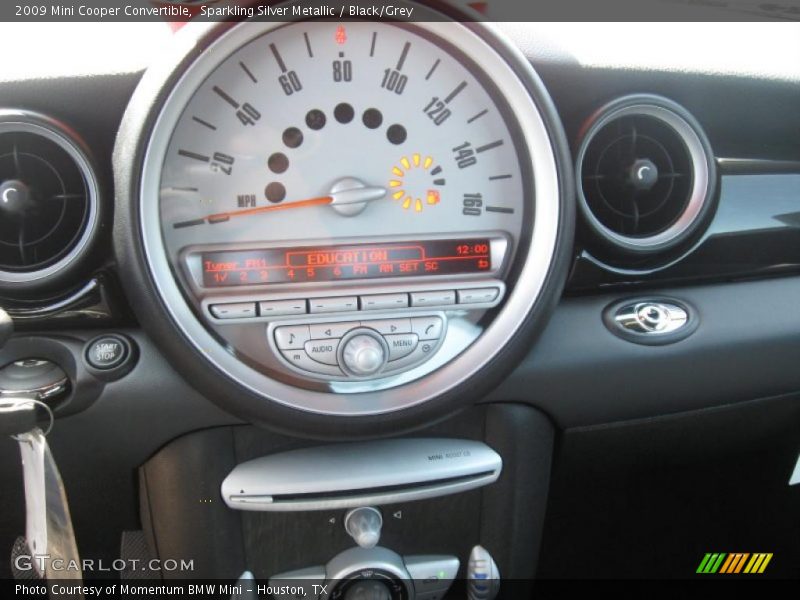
6,327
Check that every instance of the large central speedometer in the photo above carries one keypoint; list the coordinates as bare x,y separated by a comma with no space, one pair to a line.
356,130
345,217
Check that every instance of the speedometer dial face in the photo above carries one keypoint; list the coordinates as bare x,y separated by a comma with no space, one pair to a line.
352,131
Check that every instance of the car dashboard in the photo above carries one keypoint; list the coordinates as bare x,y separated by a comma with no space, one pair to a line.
309,251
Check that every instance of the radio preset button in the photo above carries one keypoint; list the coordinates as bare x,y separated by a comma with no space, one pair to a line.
292,337
303,361
435,298
427,328
330,305
421,353
384,301
478,295
330,331
323,351
280,308
401,345
389,326
235,310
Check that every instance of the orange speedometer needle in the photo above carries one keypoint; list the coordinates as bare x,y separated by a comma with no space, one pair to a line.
226,216
356,195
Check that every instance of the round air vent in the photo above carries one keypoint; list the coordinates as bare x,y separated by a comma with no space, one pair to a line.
645,174
48,200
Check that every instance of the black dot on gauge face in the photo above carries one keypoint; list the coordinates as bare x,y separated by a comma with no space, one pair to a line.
275,192
372,118
278,163
344,113
396,134
292,137
315,119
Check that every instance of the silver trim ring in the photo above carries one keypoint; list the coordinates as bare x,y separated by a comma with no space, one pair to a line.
698,196
510,318
22,121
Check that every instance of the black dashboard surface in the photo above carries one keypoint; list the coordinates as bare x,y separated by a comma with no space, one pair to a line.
746,113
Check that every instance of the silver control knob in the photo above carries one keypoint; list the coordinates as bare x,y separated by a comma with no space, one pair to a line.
364,526
363,354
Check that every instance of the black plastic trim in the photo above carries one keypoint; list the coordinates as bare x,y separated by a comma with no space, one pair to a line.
746,347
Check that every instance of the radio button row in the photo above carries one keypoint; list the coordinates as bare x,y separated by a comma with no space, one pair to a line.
236,310
436,298
293,337
384,301
401,345
329,305
365,303
301,360
478,295
389,326
427,328
281,308
330,331
317,348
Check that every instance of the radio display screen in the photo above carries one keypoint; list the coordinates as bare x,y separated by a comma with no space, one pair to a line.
338,263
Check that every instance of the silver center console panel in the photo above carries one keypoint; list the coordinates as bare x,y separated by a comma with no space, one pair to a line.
360,474
357,476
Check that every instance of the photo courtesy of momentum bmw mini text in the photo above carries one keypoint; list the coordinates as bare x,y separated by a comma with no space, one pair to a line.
406,300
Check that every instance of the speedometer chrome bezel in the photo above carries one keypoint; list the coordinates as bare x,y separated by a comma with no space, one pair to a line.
428,382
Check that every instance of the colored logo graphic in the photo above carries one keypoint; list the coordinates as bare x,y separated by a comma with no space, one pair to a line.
734,563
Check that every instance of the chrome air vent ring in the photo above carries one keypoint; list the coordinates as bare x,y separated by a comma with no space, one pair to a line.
49,201
645,175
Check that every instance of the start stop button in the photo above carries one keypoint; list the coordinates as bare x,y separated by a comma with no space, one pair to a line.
107,352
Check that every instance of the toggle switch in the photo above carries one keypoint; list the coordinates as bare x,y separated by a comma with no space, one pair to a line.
364,526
